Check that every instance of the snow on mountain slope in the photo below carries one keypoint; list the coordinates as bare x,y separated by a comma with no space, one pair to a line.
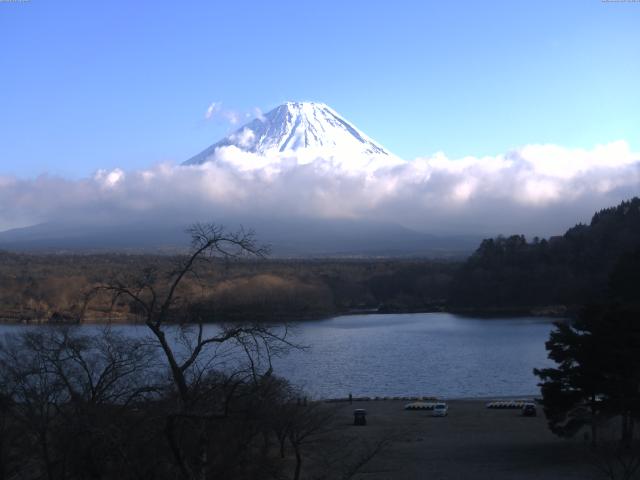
303,131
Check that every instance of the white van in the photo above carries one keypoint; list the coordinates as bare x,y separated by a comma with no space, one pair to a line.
440,410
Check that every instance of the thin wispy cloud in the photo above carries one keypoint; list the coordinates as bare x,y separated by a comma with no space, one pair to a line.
211,110
257,113
231,116
216,110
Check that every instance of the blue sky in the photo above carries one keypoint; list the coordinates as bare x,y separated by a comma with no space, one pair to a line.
90,85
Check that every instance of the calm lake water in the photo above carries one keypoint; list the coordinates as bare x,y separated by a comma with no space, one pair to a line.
435,354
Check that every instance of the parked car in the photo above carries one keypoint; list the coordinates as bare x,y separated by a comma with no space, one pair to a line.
440,410
529,410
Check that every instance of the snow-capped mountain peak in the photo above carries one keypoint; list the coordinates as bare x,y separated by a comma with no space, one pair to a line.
303,129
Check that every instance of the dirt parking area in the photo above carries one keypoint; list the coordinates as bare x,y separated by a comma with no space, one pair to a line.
472,442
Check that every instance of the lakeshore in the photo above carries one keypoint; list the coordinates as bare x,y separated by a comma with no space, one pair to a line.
472,442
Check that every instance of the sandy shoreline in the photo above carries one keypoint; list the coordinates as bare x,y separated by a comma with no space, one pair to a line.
472,442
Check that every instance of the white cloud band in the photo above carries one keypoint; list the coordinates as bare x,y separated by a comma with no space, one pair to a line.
537,189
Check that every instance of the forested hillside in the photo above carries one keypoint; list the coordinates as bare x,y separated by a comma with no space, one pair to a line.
511,273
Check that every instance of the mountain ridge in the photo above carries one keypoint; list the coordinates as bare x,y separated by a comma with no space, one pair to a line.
292,237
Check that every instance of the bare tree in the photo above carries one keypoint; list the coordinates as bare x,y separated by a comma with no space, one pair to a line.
65,393
35,396
156,297
158,302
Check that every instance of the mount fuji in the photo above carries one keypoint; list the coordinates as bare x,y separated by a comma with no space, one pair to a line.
306,131
290,135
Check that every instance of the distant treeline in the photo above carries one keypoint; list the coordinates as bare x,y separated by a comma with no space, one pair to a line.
504,275
54,287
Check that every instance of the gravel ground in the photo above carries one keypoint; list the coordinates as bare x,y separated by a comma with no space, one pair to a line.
472,442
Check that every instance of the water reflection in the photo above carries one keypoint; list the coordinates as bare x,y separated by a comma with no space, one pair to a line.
410,354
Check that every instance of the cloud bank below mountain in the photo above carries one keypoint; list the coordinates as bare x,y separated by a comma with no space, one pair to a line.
536,190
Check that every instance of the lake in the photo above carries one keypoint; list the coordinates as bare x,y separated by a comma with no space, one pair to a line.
432,354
